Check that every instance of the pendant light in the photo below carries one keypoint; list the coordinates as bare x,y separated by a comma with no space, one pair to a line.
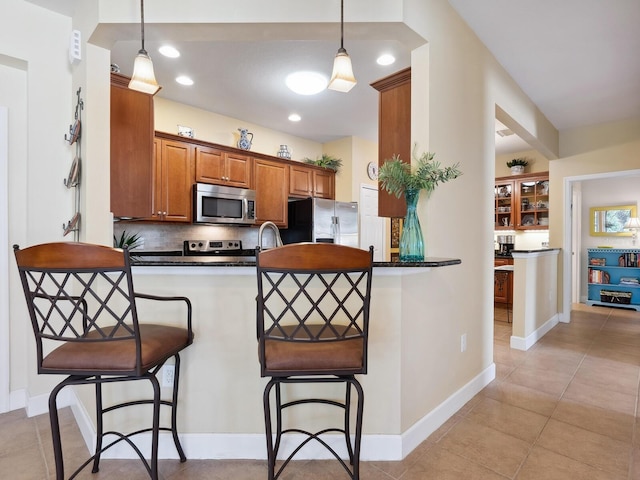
143,78
342,79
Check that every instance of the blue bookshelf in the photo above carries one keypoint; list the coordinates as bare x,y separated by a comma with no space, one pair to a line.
614,270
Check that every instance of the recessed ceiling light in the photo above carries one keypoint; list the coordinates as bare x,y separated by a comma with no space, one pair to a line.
386,59
169,51
184,80
306,83
294,117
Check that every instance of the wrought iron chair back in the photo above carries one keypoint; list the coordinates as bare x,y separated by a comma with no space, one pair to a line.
313,326
82,307
313,293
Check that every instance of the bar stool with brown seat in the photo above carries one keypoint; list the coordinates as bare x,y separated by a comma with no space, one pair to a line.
313,322
84,314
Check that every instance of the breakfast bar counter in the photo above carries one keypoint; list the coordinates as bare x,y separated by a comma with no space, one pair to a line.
220,413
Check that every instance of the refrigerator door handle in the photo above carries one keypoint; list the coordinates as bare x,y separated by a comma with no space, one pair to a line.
335,226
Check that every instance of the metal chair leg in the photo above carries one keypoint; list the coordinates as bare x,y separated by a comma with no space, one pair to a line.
174,410
271,455
99,428
55,430
358,435
155,429
347,429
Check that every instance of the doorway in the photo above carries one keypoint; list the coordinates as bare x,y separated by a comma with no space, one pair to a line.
372,227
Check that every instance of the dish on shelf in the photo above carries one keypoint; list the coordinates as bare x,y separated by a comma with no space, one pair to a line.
528,220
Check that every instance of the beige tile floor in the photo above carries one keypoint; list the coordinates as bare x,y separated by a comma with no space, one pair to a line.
565,409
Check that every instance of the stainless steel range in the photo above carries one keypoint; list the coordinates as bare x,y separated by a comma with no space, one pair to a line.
218,250
198,251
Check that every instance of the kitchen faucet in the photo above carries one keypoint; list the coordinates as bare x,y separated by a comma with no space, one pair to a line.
276,233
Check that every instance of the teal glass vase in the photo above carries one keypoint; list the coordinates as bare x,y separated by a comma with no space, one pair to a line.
411,241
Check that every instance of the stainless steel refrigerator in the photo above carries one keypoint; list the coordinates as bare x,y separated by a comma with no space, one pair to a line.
322,220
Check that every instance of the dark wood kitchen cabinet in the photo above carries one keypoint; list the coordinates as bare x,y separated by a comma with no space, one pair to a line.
271,183
394,132
503,282
222,168
131,147
306,181
172,181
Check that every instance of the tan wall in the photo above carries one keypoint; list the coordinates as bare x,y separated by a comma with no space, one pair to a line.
212,127
537,162
609,158
456,87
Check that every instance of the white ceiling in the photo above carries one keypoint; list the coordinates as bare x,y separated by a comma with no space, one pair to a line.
578,61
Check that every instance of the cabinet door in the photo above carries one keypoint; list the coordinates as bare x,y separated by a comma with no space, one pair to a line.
209,165
222,168
131,165
503,209
394,132
238,170
324,184
533,203
272,188
300,181
156,181
177,179
502,287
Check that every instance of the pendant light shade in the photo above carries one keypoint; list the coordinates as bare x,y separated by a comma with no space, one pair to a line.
342,79
143,79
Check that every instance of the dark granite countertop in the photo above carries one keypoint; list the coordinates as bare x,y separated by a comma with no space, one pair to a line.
178,261
536,250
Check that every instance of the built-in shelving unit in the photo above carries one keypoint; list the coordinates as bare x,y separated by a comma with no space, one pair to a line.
613,277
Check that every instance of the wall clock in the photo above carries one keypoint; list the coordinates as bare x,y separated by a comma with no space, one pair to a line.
372,170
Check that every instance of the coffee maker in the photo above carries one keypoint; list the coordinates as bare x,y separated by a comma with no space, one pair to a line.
505,245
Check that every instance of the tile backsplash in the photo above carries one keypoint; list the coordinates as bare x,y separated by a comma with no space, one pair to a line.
528,240
160,237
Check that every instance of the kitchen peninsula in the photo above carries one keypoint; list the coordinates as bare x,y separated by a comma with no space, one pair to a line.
220,378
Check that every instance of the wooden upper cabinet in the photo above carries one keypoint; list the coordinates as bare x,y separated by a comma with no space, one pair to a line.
394,132
272,190
131,150
173,181
306,181
222,168
324,184
300,181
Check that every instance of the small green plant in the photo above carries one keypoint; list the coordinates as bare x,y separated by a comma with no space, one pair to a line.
517,162
397,176
130,240
326,161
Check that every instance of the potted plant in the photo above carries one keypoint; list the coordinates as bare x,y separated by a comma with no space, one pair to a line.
130,240
326,161
399,178
517,165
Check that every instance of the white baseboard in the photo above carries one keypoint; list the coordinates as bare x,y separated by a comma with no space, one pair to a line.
428,424
17,399
520,343
252,446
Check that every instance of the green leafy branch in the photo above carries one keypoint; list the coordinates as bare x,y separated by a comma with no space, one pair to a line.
131,240
326,161
397,176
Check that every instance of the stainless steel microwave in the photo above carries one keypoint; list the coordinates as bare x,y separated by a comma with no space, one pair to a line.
218,204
